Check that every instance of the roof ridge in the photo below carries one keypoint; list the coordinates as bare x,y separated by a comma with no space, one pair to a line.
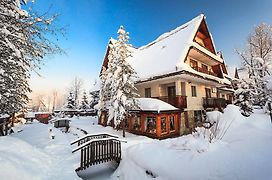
172,32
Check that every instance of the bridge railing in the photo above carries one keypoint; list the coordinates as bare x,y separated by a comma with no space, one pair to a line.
97,151
89,137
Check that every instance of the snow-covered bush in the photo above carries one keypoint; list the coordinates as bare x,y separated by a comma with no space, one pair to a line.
244,98
221,123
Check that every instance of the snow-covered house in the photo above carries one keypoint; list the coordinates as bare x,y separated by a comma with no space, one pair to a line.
183,68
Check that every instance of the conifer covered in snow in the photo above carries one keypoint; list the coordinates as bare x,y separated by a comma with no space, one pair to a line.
94,98
84,102
23,44
103,92
244,98
122,76
71,104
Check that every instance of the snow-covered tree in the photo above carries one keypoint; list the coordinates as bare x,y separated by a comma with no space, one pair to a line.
244,98
84,102
94,98
23,45
71,104
122,75
76,88
103,92
257,59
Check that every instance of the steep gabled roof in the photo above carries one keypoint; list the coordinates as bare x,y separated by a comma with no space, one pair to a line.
167,51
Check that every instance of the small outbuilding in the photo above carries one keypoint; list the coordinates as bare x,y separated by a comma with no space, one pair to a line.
155,119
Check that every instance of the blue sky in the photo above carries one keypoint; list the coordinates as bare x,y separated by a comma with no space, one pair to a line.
90,24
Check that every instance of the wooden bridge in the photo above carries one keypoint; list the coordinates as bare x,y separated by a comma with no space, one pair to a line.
96,149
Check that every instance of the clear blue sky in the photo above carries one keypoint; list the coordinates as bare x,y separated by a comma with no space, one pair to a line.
92,22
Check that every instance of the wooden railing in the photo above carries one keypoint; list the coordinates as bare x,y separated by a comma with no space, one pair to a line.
96,149
203,70
214,102
177,101
89,137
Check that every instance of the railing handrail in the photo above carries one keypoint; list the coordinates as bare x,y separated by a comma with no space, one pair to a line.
95,140
92,135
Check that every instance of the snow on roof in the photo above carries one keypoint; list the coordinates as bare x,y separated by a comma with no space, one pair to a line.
152,104
168,50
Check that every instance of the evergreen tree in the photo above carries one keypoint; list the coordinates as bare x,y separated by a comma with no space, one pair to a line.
244,98
102,92
122,76
84,102
23,44
94,98
71,104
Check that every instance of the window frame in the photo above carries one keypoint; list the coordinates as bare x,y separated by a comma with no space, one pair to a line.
193,91
148,92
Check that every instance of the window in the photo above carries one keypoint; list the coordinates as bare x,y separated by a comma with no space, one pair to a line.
150,124
193,88
172,123
197,116
204,67
223,96
147,92
163,125
193,64
208,92
136,122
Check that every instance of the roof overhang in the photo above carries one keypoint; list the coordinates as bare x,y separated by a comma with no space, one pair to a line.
187,76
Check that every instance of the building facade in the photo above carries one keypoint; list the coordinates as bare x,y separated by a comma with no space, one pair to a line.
183,69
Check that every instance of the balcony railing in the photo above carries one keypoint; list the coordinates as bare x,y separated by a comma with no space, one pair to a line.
203,70
177,101
214,102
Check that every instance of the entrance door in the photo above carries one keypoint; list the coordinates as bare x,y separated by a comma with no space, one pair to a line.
171,94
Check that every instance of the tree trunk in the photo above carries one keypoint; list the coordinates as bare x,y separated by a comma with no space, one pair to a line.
270,111
123,127
12,119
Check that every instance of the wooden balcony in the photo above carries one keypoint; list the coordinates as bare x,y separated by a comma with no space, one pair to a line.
203,70
177,101
214,102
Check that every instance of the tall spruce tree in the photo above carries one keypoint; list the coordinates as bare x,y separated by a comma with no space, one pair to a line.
122,75
23,45
102,93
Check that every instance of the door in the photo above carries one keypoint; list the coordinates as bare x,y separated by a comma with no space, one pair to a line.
171,94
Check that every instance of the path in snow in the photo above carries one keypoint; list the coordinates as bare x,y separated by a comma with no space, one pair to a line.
98,172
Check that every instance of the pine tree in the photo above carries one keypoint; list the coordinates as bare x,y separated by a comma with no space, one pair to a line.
23,44
71,104
84,102
103,92
244,98
94,98
122,76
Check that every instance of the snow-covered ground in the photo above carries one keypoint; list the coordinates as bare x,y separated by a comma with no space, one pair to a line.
243,152
32,154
